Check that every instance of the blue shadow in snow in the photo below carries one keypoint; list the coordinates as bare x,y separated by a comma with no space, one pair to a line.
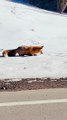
20,1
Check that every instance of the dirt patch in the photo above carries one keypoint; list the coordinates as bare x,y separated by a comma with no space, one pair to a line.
31,84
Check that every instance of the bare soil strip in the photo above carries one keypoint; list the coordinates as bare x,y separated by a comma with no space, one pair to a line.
32,84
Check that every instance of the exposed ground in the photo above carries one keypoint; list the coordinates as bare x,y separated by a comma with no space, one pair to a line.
31,84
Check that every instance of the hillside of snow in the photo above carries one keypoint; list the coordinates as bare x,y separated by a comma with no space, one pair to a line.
25,25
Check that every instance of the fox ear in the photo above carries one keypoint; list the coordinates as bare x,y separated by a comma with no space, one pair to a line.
42,46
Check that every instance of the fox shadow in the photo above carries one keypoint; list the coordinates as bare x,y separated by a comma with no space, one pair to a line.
1,56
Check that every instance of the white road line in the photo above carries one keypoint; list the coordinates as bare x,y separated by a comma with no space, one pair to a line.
33,102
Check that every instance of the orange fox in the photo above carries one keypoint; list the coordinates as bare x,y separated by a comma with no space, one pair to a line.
29,50
24,50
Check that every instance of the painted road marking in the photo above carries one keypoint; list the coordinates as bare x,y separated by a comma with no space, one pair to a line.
38,102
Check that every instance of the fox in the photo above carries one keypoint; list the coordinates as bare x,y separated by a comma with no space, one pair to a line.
23,50
29,50
61,5
10,53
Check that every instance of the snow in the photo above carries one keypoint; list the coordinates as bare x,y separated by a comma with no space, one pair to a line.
25,25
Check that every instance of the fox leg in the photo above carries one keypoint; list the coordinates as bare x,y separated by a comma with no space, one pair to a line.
41,52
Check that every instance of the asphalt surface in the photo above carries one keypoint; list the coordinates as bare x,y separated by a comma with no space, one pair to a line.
45,104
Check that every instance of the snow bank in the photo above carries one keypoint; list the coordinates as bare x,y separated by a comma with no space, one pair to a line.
24,25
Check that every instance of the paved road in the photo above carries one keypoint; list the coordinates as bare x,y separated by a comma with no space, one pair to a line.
48,104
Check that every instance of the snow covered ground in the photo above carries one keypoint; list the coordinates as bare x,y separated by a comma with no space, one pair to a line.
25,25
